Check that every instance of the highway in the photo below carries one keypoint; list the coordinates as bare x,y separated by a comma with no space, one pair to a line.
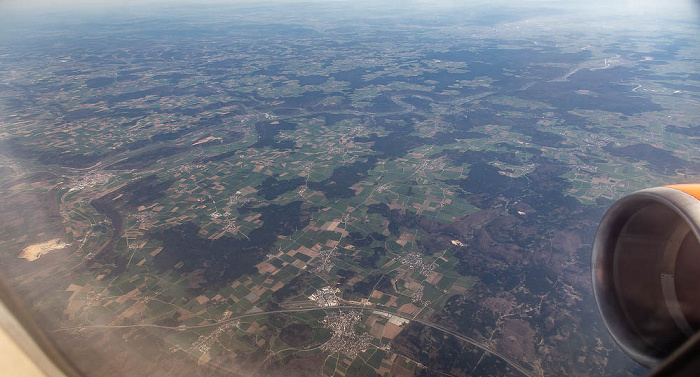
514,364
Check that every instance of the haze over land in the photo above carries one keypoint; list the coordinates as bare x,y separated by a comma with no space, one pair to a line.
358,189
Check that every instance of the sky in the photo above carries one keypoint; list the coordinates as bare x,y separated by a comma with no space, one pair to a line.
687,7
638,16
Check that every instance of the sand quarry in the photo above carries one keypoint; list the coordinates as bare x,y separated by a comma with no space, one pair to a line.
33,252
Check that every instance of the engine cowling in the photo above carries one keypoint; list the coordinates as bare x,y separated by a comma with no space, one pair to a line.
646,271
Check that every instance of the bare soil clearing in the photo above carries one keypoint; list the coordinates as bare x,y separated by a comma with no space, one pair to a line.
33,252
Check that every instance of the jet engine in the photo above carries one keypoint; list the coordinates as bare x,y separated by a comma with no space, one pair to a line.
646,271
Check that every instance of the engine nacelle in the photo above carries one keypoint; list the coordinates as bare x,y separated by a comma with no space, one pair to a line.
646,271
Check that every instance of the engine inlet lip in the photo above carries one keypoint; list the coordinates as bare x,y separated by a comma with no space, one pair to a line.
686,207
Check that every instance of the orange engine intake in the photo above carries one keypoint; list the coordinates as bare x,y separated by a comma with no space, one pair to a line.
646,270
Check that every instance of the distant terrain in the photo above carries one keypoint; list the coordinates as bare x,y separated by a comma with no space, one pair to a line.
331,189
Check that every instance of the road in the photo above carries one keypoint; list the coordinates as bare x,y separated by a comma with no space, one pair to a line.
436,326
